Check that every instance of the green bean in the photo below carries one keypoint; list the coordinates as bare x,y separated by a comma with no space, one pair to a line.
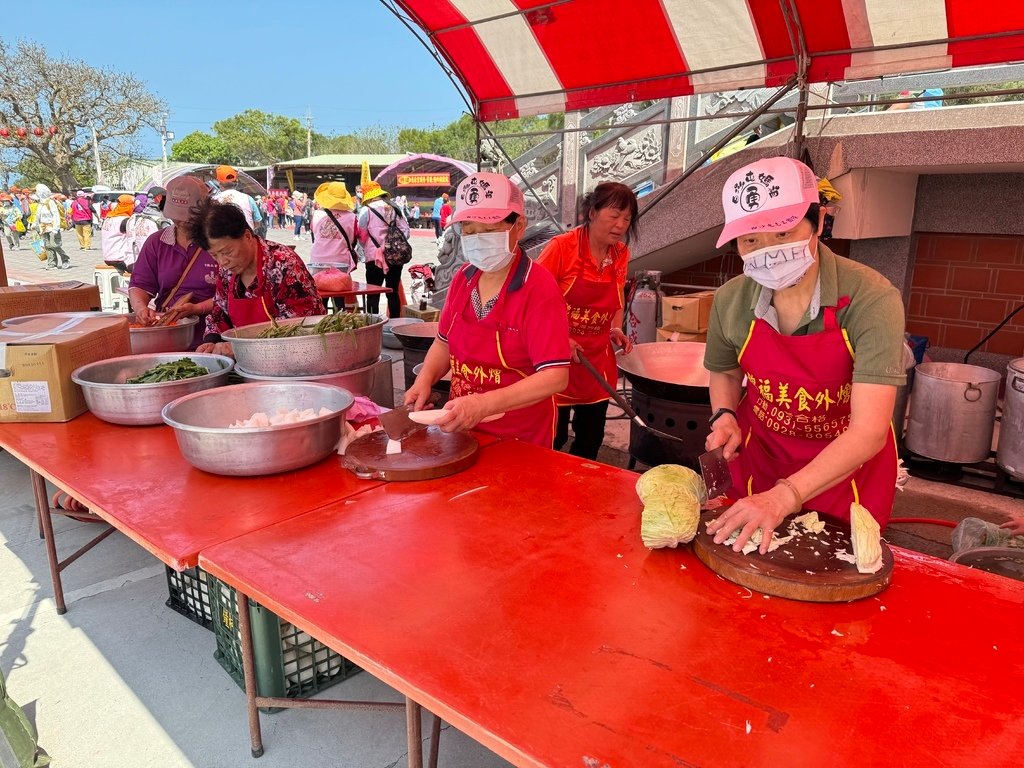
337,323
185,368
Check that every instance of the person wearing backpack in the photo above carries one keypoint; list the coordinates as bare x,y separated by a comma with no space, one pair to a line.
335,231
81,215
384,235
49,220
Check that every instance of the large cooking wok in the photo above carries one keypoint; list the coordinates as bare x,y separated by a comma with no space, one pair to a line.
668,370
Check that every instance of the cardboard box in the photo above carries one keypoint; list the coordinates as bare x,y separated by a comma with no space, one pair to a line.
38,356
69,296
673,333
688,313
428,315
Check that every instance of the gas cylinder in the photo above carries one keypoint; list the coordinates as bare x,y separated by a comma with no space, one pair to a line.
642,308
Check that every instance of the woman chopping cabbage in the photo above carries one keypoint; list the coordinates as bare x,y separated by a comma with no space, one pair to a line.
589,263
258,280
819,339
503,331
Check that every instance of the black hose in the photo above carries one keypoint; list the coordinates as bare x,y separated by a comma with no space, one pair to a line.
992,333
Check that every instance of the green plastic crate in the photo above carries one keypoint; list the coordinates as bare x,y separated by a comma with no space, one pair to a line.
189,594
289,662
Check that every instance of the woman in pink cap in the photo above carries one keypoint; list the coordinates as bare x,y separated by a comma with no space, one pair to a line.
819,340
503,331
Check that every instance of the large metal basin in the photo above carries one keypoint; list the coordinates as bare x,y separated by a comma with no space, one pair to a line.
669,370
305,355
110,399
201,426
390,340
359,381
169,338
416,335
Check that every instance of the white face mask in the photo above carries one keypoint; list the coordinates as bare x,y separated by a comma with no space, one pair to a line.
779,266
488,251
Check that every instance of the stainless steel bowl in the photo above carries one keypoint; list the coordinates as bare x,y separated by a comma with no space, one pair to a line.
305,355
359,381
201,425
390,341
170,338
112,400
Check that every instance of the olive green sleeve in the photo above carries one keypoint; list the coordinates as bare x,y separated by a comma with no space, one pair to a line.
874,325
727,327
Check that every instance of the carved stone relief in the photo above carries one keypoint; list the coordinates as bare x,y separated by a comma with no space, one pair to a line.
630,155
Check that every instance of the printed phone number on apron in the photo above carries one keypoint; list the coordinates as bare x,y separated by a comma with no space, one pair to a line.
804,413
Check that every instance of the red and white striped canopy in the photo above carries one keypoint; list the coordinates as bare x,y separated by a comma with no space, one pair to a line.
527,57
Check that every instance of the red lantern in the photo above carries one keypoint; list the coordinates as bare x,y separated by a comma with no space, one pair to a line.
53,130
21,133
37,131
4,132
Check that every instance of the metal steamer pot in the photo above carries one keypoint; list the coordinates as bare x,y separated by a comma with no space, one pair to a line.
952,412
1010,452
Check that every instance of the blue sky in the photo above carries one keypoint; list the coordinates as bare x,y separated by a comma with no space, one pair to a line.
349,61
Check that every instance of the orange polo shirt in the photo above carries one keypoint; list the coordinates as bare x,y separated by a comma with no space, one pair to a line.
561,257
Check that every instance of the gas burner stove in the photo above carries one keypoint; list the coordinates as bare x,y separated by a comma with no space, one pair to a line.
981,476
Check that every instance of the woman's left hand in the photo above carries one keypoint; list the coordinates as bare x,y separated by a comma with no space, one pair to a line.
216,348
621,340
466,412
762,510
1016,527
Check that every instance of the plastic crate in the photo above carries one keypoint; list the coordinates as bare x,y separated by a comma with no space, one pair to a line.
289,663
189,595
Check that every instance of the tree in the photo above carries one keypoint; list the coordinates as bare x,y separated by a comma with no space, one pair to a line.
371,140
201,147
259,138
37,91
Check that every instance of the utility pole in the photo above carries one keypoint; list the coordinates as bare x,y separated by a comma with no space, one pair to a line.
309,132
164,138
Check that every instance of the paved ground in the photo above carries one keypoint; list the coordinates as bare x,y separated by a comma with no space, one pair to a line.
121,680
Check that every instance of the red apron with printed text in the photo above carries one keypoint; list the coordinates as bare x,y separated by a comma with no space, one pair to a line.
490,354
797,401
591,305
255,310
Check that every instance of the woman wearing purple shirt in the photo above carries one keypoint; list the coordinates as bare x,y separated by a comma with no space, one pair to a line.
171,265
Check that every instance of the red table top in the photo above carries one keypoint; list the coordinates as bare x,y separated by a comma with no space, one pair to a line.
358,289
136,479
517,601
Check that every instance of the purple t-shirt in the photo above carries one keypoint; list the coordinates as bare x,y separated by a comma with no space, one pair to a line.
159,266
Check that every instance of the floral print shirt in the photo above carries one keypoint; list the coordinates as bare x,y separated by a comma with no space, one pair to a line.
287,286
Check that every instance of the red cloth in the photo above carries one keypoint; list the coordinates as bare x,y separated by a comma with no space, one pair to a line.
797,401
526,331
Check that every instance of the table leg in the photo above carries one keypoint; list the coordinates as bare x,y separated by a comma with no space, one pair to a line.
46,524
414,733
249,674
435,742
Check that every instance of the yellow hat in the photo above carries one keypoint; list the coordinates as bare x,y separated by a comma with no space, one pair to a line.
333,195
372,190
364,175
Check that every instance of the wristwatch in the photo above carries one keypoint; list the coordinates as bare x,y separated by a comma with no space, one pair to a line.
720,412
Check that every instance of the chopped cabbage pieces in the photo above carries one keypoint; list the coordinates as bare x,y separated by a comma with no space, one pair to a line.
866,537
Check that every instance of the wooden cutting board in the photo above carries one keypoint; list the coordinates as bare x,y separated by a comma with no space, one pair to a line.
805,568
427,454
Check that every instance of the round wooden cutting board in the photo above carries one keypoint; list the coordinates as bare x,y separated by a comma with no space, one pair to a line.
427,454
805,568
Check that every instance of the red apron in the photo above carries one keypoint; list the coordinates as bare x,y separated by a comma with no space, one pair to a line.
591,305
488,354
797,400
255,310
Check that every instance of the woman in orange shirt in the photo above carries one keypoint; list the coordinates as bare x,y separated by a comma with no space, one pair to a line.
590,263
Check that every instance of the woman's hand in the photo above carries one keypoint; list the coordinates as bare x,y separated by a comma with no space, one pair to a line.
574,351
418,395
466,412
725,432
762,510
216,348
145,315
621,340
1016,527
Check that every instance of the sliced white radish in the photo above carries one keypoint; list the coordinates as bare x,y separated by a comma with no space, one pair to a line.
394,446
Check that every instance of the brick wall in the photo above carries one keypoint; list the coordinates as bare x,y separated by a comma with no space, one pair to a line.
962,286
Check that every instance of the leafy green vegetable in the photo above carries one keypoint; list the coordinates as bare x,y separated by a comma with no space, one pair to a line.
336,323
672,495
185,368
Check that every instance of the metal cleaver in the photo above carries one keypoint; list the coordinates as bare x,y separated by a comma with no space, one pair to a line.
715,471
397,424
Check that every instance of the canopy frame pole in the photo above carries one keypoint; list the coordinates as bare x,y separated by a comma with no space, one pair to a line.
538,197
803,61
662,191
